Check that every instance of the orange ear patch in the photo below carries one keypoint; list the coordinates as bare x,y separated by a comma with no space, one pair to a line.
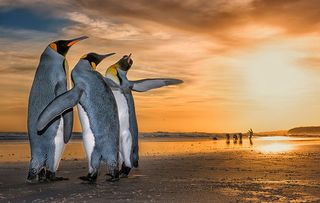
54,46
94,66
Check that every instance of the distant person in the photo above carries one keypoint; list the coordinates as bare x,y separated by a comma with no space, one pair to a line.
240,138
227,138
235,137
250,133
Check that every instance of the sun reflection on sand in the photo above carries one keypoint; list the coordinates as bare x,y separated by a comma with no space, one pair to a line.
275,148
11,151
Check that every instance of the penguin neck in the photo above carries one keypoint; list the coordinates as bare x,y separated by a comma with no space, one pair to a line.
122,75
112,74
123,78
50,53
83,65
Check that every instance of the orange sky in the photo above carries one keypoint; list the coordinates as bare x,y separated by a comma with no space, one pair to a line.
245,63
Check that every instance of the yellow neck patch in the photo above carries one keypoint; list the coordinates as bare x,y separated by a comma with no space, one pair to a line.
54,46
94,66
112,73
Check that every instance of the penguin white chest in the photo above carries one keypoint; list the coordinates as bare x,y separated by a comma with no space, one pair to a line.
87,135
59,145
125,135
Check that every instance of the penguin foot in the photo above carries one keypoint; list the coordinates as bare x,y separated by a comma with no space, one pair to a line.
136,164
34,176
124,172
42,175
90,177
51,176
113,176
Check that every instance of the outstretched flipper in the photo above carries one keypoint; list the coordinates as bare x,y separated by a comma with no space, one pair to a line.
148,84
59,105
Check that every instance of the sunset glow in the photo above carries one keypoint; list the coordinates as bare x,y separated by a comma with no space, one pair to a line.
245,63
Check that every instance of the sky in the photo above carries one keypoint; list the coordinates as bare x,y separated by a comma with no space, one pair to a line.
245,63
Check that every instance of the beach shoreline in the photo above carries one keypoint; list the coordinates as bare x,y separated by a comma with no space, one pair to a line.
173,170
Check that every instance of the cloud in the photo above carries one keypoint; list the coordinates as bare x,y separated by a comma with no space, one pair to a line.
198,41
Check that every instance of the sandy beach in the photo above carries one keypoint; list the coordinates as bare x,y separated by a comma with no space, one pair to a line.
271,169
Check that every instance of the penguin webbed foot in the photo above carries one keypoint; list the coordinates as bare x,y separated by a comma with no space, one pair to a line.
51,176
124,172
136,164
91,177
33,176
114,176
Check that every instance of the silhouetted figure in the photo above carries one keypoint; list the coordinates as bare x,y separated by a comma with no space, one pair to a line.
227,138
250,136
235,137
250,133
240,138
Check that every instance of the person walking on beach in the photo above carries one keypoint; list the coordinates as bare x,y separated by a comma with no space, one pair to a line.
250,133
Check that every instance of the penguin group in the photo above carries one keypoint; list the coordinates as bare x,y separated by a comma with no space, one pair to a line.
105,107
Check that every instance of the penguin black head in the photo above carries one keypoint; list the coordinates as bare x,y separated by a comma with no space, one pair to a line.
125,62
94,58
63,46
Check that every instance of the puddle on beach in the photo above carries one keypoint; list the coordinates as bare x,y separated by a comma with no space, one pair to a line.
13,151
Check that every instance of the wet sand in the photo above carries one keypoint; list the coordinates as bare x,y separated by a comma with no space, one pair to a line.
271,169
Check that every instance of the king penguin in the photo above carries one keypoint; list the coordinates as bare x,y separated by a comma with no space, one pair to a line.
98,115
116,78
50,81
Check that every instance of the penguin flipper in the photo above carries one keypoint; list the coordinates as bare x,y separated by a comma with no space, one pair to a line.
67,115
148,84
67,124
59,105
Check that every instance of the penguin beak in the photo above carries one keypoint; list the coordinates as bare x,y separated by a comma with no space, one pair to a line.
101,57
107,55
129,57
73,41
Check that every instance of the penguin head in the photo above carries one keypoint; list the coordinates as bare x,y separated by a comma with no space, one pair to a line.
94,59
125,62
62,46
